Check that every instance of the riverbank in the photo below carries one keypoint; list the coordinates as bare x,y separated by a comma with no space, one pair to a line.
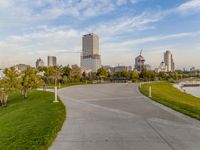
195,91
166,94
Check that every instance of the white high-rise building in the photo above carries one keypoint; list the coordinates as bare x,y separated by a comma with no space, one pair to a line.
52,61
169,62
39,63
90,58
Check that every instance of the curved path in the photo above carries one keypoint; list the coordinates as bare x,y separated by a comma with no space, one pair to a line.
118,117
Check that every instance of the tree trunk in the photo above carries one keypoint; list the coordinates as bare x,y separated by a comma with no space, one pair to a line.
25,93
5,100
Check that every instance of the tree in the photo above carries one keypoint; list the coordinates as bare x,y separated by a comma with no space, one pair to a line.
135,76
162,75
9,84
30,80
75,74
102,73
66,71
147,75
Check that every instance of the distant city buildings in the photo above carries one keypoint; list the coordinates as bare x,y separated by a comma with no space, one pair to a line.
139,62
39,63
90,58
118,68
51,61
162,67
169,62
21,67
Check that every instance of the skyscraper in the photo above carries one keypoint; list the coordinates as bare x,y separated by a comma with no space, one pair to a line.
169,62
52,61
139,62
39,63
90,58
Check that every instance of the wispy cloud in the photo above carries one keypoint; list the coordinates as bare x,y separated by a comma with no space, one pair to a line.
129,44
190,6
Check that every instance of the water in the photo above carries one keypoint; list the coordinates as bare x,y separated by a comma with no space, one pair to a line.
193,91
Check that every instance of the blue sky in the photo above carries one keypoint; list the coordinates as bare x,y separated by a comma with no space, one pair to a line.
33,29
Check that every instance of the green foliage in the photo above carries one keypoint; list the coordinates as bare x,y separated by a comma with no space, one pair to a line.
122,74
134,76
165,93
102,73
147,75
30,80
66,71
32,124
162,76
10,83
75,74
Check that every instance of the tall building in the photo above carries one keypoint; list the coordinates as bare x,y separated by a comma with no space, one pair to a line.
39,63
169,62
52,61
90,58
139,62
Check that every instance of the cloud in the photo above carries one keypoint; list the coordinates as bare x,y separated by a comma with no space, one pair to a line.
123,25
189,6
127,45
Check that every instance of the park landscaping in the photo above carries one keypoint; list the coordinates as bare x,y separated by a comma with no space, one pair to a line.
166,94
31,123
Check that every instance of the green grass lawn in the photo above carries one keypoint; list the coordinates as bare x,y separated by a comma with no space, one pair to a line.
32,123
165,93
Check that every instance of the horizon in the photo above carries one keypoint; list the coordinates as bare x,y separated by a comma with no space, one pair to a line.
38,29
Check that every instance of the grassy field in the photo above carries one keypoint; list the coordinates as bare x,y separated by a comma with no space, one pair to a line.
32,123
165,93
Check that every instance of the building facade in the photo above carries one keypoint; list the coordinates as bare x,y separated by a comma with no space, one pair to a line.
39,63
52,61
21,67
139,63
90,58
169,62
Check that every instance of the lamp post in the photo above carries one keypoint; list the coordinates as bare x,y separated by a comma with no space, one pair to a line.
55,88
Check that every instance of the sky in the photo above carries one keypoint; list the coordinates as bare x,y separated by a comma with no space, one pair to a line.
38,28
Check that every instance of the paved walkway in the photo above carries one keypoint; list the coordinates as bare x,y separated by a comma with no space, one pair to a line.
118,117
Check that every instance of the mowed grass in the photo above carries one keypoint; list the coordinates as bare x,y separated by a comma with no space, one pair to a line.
32,123
165,93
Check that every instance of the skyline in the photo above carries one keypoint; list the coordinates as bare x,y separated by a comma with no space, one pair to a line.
40,28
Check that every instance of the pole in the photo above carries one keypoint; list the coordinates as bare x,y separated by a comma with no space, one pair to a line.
150,92
56,94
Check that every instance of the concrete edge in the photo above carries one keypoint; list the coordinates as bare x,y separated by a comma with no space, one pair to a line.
188,119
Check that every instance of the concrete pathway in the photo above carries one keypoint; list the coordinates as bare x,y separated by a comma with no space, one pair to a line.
118,117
